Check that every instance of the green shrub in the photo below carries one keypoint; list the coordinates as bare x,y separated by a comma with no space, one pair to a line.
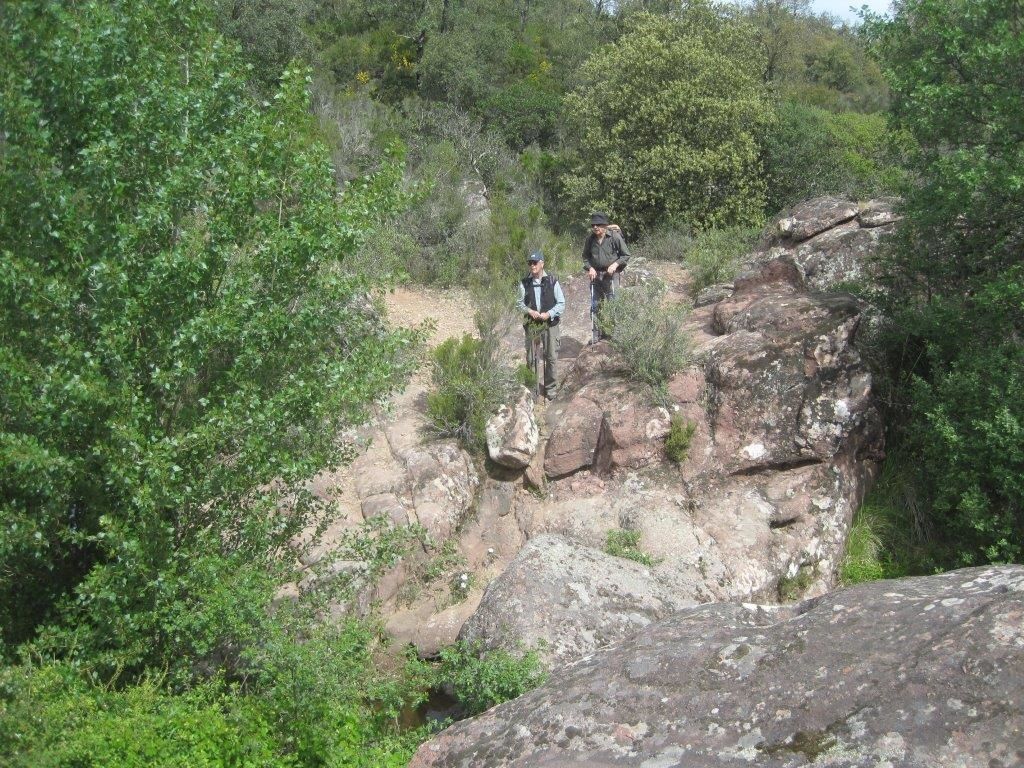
481,679
812,151
471,380
49,716
525,112
680,435
323,701
626,544
714,255
969,432
863,558
675,130
954,283
647,333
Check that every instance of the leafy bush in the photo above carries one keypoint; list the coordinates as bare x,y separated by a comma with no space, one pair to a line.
954,282
471,380
714,255
969,433
647,333
675,132
525,112
626,544
181,346
325,701
812,151
50,716
481,679
680,435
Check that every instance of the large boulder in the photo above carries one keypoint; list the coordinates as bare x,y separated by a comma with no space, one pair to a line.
914,672
814,216
786,382
512,433
603,420
568,600
828,239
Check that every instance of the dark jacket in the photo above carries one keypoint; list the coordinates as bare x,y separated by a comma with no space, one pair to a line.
547,295
601,255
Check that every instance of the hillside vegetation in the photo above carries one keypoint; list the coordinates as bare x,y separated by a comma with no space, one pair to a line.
200,201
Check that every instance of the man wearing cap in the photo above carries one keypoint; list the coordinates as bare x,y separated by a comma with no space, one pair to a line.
604,255
542,302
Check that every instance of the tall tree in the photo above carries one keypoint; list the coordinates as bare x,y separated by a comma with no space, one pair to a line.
178,344
956,69
666,123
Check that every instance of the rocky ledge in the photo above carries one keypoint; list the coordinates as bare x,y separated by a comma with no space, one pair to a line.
913,672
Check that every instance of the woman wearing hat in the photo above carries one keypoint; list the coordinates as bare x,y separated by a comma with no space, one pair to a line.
604,255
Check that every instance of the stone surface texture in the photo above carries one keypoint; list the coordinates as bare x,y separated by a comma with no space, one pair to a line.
925,672
570,598
512,433
786,439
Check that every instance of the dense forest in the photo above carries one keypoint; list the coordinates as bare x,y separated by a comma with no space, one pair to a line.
200,202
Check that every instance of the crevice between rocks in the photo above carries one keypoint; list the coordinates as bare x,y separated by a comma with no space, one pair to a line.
776,466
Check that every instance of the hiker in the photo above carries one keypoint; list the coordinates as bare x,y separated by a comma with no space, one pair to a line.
542,302
605,255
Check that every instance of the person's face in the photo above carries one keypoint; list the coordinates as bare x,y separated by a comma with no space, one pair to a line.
536,267
598,229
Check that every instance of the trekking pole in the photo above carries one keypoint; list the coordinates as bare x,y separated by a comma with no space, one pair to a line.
595,333
536,351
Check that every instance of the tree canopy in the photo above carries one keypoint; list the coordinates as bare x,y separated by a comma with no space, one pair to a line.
954,276
179,344
666,123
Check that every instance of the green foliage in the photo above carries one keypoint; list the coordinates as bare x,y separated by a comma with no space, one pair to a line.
811,151
792,588
715,255
480,679
272,34
176,331
811,60
442,239
623,543
470,381
955,288
50,717
666,124
647,332
181,345
680,435
970,436
320,702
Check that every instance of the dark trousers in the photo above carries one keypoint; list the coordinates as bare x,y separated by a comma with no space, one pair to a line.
549,337
602,288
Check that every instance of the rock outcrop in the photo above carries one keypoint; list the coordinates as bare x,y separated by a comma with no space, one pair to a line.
569,598
913,672
828,238
785,438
